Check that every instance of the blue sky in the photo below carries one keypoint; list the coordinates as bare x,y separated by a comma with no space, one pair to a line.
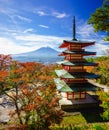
26,25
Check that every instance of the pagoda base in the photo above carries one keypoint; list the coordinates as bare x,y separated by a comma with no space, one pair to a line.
89,101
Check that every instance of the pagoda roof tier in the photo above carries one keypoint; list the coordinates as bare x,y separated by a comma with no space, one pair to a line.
66,75
76,42
85,53
69,63
80,87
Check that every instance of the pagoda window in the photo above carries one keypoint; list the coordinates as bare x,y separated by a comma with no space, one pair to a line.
68,80
73,57
76,67
74,47
77,95
83,95
76,57
70,95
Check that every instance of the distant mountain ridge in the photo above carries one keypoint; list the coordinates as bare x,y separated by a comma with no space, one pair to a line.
43,51
43,54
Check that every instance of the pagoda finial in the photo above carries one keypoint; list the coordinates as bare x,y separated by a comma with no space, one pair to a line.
74,30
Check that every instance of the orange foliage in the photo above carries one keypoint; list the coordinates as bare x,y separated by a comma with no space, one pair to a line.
34,90
3,74
89,68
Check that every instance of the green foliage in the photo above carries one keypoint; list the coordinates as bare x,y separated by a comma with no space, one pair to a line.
69,127
106,114
80,127
106,38
101,58
97,127
104,97
102,69
100,18
90,59
77,119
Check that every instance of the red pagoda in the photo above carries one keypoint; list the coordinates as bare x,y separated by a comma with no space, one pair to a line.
72,82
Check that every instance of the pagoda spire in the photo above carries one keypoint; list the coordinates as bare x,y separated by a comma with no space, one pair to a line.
74,30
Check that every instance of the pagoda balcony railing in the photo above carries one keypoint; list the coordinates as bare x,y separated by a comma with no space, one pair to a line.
77,46
75,49
74,68
74,58
81,80
77,70
76,95
80,49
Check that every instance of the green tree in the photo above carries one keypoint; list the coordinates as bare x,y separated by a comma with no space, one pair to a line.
102,70
100,19
104,97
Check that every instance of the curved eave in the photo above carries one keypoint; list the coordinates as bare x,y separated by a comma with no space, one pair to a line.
68,63
82,43
66,75
63,73
83,53
63,87
63,45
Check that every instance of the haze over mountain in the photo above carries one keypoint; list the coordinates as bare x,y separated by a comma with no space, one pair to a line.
44,55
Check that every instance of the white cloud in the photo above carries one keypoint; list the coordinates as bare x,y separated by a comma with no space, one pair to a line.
11,31
23,18
6,30
41,13
8,11
43,26
28,42
86,33
100,47
28,30
43,38
59,15
13,13
36,41
85,30
8,46
44,11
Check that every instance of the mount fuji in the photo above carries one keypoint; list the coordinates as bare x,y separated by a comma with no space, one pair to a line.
45,55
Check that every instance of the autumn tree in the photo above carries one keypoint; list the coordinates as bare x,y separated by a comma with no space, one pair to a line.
33,93
5,63
100,19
